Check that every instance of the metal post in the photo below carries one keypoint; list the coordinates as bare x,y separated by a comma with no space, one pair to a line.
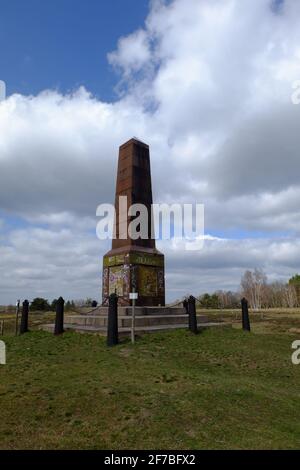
59,319
24,318
192,315
133,318
2,327
17,315
112,325
245,315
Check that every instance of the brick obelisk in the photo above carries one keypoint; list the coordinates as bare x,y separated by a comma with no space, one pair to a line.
133,263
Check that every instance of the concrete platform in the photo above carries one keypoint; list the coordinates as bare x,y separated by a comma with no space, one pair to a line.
125,320
124,311
147,320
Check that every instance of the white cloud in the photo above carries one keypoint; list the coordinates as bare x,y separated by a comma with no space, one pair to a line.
133,52
208,85
48,263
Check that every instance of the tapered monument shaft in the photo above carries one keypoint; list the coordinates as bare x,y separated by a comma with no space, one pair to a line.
133,263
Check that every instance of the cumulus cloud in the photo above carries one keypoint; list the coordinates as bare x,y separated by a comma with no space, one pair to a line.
133,52
220,264
208,85
50,263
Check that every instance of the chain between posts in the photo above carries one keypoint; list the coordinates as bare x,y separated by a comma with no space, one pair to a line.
83,313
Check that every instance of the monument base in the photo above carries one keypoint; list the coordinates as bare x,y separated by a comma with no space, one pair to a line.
136,269
147,320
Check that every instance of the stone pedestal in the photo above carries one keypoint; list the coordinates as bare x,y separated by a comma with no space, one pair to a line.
141,270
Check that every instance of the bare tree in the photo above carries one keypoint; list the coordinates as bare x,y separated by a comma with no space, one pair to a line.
254,287
247,286
290,296
228,299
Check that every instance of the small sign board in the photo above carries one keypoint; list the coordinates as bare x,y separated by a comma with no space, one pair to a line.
133,295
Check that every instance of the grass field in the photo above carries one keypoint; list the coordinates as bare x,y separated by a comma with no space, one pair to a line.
217,390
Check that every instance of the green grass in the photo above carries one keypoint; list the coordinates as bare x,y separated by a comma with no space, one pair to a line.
217,390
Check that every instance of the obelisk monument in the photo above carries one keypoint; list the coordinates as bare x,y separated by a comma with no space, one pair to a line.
133,264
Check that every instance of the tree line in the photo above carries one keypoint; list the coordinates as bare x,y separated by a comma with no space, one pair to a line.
258,291
263,294
41,304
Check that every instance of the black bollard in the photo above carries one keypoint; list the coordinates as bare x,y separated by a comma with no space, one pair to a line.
245,315
59,319
24,318
112,324
192,315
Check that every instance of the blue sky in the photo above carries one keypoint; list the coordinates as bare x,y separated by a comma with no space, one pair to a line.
62,44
